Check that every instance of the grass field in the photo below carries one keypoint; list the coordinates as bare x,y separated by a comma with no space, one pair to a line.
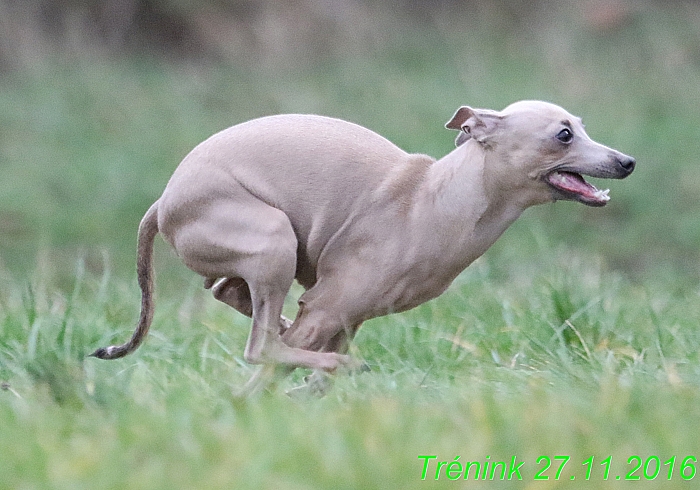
575,335
565,359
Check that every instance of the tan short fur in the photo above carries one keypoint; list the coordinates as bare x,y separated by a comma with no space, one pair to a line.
366,228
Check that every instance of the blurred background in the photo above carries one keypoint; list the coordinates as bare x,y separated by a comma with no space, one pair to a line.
100,100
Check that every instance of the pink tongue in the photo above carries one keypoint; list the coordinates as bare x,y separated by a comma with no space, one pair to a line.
574,183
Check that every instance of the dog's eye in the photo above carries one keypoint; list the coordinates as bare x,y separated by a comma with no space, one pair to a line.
565,135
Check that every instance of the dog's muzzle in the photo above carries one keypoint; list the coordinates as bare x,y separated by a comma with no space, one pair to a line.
569,183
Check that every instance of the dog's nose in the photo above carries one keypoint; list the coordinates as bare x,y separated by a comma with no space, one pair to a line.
627,163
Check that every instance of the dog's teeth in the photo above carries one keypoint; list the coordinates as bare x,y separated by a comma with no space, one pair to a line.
602,195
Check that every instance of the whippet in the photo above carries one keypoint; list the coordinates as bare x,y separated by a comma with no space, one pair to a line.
366,228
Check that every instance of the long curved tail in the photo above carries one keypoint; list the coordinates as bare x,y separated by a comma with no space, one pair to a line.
148,229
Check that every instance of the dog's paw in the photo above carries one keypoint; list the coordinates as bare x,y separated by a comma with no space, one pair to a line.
285,324
317,385
350,365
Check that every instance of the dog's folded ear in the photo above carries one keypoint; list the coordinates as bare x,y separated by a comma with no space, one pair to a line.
474,123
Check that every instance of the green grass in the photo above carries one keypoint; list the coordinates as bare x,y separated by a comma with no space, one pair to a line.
571,360
576,334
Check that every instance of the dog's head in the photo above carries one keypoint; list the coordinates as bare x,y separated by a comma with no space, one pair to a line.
541,145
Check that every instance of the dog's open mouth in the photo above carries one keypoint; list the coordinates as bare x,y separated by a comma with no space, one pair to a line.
573,186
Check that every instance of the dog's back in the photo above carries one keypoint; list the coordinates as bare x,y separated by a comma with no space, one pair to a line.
292,151
315,169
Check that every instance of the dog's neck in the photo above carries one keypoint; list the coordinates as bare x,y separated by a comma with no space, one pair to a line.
508,191
475,197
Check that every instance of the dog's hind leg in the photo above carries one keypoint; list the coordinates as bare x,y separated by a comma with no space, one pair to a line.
320,382
247,239
234,291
